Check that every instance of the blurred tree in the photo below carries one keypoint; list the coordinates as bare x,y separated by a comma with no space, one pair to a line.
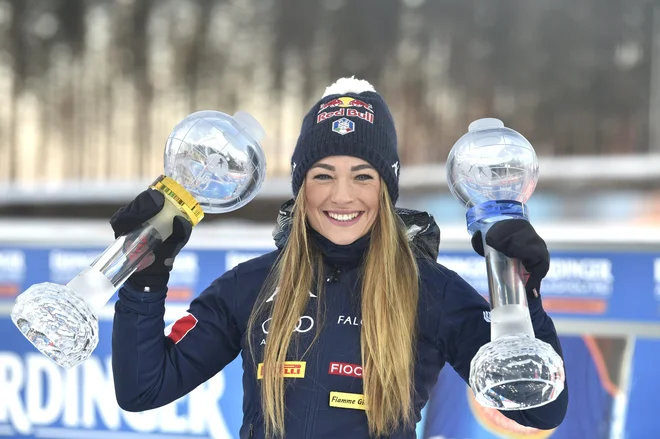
92,82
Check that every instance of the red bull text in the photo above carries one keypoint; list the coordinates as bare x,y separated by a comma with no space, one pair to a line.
349,112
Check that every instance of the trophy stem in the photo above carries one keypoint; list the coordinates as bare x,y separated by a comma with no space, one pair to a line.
97,283
508,300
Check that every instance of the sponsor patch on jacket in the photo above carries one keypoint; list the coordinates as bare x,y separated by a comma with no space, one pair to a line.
291,369
345,369
179,329
343,400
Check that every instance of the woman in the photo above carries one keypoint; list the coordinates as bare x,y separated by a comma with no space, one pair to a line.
351,315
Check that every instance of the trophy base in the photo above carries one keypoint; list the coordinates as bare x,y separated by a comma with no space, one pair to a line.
57,322
516,372
517,395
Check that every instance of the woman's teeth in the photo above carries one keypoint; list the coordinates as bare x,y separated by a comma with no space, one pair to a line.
343,217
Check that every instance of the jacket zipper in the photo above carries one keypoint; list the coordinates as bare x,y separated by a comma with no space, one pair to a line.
308,419
251,431
313,403
309,422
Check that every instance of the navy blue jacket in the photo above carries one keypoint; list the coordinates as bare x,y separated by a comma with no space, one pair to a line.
151,370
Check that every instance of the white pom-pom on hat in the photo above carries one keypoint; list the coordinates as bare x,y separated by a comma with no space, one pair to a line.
348,85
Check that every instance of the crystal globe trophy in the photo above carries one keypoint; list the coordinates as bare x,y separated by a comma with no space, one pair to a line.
492,170
213,164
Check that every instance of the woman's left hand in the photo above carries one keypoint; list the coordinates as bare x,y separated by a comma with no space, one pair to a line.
516,238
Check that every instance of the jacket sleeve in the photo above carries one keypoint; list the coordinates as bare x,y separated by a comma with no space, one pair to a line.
150,369
464,328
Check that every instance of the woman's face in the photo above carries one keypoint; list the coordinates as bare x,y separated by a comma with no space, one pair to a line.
342,195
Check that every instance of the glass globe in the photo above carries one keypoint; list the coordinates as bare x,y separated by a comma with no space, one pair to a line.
491,162
217,158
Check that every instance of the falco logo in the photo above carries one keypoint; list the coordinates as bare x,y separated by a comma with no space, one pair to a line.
348,320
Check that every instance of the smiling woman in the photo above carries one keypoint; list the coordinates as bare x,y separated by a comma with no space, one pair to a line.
342,195
367,341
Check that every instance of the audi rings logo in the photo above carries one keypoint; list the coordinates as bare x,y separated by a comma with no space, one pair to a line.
305,324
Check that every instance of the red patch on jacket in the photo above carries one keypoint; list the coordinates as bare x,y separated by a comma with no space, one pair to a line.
181,328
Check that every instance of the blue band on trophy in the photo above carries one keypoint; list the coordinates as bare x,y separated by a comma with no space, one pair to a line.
493,210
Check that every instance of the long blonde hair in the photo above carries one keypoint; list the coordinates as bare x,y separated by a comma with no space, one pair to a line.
390,291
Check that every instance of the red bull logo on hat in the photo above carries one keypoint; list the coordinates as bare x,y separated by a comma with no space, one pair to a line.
346,102
330,114
350,112
360,104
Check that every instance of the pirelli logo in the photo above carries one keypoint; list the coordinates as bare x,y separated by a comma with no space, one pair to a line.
343,400
291,369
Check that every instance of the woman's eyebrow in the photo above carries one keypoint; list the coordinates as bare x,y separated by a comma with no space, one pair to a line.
361,167
324,166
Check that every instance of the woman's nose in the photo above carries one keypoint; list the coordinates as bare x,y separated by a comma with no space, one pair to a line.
342,192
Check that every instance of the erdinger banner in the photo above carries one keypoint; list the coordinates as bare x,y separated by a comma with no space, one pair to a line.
597,285
12,272
40,399
613,381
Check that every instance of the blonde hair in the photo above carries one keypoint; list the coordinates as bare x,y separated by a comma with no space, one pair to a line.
390,291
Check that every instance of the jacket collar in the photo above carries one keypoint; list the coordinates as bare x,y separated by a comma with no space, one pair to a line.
335,254
421,228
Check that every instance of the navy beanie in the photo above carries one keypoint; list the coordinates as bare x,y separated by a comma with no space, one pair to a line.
350,119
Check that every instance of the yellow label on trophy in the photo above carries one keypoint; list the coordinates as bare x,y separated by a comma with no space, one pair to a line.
178,195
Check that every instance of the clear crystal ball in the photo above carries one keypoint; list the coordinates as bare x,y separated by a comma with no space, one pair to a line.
491,162
516,372
217,158
57,322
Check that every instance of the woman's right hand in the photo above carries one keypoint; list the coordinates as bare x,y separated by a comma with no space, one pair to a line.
155,273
